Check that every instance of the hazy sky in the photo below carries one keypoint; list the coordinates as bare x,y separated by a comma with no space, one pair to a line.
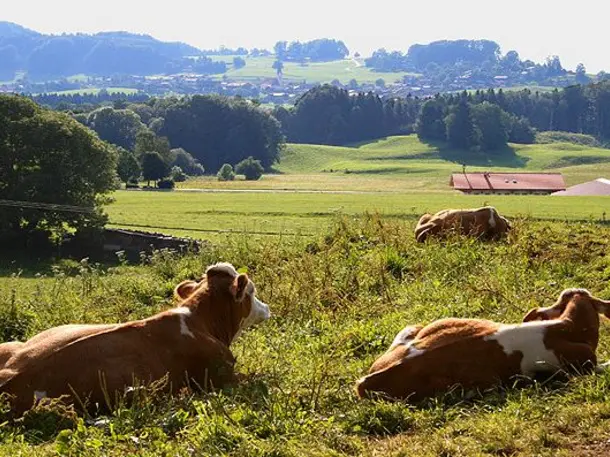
535,28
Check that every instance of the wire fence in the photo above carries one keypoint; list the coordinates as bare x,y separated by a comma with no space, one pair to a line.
47,206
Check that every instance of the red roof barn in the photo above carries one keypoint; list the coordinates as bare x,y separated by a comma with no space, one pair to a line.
507,183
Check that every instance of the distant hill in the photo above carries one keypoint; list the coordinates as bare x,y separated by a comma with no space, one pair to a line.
51,56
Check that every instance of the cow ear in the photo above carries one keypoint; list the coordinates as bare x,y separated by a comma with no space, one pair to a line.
239,286
185,289
535,315
603,307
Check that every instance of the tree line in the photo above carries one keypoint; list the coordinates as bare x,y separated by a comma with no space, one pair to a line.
184,135
330,115
320,50
442,62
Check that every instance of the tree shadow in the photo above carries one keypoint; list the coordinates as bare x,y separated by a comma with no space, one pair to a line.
504,157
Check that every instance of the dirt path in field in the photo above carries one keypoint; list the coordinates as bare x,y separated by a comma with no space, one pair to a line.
264,191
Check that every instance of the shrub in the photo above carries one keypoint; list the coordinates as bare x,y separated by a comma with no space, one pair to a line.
250,168
226,173
166,183
566,137
132,184
177,175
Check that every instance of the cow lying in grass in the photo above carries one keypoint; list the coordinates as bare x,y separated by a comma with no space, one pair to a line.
482,222
477,354
189,344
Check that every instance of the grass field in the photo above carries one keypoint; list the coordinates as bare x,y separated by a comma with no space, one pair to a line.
202,215
342,70
404,164
342,274
337,299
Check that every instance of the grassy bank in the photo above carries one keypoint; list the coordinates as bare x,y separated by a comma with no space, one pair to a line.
337,299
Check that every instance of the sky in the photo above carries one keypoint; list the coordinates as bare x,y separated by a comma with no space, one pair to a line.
576,32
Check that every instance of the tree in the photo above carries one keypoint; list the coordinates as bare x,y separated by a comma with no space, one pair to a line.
581,74
127,167
226,173
177,175
461,132
250,168
493,125
186,162
238,63
431,122
147,141
217,130
380,82
48,157
153,166
278,66
117,126
521,131
280,50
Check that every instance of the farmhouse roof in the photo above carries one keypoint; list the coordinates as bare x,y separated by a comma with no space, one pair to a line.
507,181
600,186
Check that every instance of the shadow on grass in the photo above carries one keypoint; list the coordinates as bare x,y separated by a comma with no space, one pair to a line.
505,157
387,170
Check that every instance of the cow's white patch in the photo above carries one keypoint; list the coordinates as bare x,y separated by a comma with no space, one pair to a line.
40,394
225,267
183,312
414,352
492,218
404,337
528,338
258,313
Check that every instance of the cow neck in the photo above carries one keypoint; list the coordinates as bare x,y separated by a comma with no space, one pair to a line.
213,314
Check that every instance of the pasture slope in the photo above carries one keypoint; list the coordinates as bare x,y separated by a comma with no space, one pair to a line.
398,177
258,68
337,299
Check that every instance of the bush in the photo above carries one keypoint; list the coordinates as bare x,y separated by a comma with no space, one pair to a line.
566,137
132,184
166,183
177,175
250,168
226,173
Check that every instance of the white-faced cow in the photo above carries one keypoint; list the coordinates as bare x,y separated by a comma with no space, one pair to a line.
189,344
477,354
482,222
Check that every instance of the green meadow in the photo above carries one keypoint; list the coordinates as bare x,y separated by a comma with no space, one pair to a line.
337,298
343,70
328,241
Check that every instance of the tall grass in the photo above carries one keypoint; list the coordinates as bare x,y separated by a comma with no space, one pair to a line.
337,301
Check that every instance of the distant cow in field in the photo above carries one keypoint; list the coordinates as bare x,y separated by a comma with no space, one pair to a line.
482,222
189,344
477,354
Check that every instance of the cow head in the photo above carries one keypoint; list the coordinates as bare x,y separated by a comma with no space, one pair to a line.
225,299
573,301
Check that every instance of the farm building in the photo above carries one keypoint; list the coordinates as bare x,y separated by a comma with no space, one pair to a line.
600,186
507,183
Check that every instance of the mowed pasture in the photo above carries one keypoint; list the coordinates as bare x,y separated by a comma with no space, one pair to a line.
337,298
206,214
405,164
315,72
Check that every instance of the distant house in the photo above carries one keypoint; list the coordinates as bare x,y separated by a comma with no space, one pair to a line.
600,186
507,183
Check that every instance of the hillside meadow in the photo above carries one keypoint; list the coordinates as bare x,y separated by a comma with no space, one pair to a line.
337,299
405,164
315,72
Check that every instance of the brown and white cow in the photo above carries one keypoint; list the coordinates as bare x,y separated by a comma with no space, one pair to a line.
189,344
477,354
484,222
